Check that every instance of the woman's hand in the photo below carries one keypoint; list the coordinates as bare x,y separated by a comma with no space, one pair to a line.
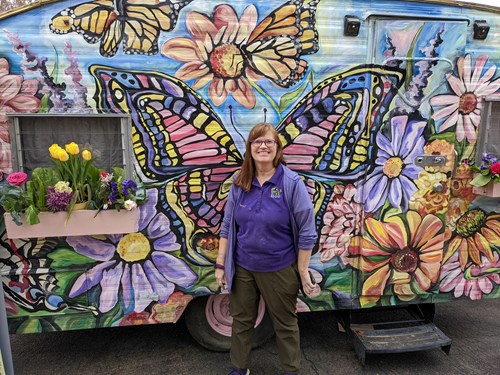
308,286
220,277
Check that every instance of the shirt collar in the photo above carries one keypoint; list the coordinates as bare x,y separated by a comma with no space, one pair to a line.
274,179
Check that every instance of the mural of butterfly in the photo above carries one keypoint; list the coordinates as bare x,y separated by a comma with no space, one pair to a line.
30,290
275,46
179,139
135,24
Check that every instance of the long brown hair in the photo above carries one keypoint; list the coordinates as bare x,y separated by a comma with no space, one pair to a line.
247,172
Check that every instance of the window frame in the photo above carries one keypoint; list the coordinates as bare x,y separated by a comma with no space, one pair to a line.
484,125
125,131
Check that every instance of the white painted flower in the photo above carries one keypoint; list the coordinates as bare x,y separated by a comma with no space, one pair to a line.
463,106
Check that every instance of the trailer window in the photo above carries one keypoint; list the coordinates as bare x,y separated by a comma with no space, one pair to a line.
108,137
488,140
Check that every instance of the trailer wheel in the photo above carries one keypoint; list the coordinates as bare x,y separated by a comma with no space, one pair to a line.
209,323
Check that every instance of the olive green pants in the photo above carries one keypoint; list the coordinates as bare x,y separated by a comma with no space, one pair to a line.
279,290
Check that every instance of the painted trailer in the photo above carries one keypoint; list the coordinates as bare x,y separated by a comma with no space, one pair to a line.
383,108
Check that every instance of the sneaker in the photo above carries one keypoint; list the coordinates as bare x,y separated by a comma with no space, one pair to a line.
235,371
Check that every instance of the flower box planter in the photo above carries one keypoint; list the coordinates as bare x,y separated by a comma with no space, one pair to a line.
492,189
81,222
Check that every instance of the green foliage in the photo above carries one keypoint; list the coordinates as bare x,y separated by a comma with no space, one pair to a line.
339,279
292,96
37,186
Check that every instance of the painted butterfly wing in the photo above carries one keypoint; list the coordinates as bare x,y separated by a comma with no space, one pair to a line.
328,133
144,20
178,139
136,24
174,130
91,19
275,46
197,200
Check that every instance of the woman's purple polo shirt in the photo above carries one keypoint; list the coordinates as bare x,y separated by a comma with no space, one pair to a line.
264,241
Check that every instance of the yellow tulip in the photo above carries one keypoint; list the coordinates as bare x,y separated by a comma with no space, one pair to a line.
72,148
86,155
62,155
53,150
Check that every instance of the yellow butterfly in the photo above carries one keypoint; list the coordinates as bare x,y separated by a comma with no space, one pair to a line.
135,23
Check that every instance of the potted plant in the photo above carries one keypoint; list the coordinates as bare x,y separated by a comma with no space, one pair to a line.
73,198
485,181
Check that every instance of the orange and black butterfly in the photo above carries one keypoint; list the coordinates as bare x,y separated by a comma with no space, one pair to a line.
135,24
275,46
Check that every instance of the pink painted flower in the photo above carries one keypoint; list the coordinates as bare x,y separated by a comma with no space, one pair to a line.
16,95
215,56
463,107
474,281
342,221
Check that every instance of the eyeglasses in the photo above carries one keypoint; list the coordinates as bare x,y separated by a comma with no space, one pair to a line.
260,142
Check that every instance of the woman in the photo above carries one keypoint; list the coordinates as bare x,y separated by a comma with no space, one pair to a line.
265,246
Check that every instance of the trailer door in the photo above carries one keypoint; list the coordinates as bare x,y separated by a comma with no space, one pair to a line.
406,188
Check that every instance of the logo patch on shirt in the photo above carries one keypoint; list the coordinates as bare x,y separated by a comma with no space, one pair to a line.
275,192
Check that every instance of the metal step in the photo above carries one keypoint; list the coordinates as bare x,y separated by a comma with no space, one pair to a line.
370,340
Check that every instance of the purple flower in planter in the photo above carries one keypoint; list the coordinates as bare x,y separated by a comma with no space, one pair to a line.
394,172
136,267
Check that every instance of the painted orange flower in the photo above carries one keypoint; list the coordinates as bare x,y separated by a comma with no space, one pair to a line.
440,147
427,200
456,208
402,256
214,55
460,185
474,234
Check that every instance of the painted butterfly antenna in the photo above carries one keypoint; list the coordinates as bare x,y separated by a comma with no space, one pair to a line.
232,122
265,114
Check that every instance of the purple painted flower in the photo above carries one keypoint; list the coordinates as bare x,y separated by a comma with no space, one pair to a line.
394,173
135,268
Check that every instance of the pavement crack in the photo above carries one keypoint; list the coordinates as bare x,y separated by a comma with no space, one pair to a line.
311,362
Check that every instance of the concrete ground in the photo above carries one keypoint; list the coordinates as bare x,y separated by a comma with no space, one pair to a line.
474,328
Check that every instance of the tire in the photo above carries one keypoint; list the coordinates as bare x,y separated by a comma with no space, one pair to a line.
209,323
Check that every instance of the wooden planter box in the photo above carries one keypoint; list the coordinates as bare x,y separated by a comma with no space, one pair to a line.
81,222
490,190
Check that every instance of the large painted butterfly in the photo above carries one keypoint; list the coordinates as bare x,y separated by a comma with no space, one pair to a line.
275,46
136,24
181,142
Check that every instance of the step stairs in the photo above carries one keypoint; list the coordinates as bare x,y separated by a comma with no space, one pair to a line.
373,339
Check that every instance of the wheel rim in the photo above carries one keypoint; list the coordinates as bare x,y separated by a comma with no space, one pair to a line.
218,316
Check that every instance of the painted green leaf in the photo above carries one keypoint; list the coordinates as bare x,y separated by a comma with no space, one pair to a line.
64,258
323,302
30,326
338,279
446,136
291,96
